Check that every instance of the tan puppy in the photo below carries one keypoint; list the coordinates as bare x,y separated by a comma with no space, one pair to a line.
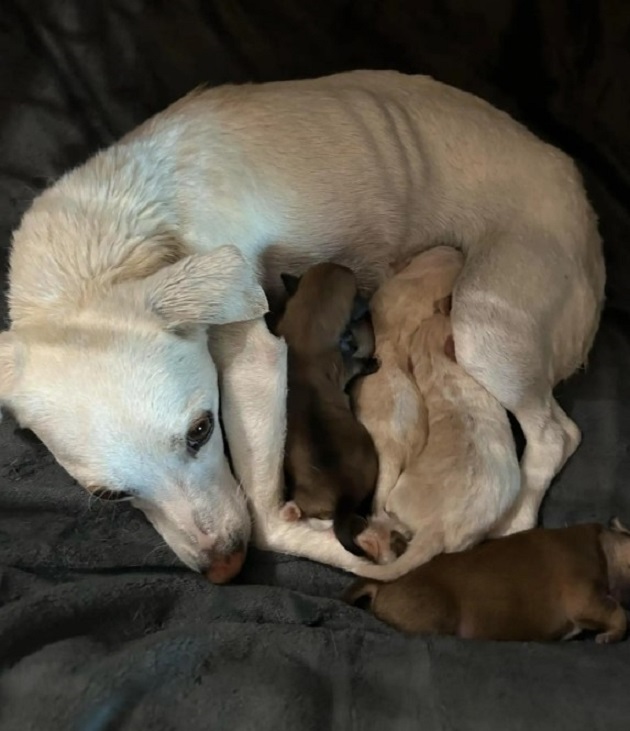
448,467
535,585
330,462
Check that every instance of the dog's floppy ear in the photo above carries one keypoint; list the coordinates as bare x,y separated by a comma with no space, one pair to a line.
291,283
205,289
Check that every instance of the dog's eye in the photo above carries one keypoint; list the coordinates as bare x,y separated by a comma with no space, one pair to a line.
199,433
111,496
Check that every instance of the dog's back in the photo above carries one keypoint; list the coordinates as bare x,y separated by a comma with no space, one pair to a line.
330,459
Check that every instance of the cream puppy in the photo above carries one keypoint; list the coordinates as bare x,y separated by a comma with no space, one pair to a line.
120,267
448,466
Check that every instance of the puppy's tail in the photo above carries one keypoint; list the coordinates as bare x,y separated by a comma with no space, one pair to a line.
347,525
361,593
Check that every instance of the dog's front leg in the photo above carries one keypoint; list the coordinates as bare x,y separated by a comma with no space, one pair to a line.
253,384
252,379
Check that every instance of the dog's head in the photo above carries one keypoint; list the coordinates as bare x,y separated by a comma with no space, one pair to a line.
124,393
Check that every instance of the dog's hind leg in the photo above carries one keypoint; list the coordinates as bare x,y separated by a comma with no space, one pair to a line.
525,312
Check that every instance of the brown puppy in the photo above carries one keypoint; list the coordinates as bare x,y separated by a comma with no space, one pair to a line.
540,584
330,461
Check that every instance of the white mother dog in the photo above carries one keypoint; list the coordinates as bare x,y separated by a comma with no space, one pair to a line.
120,267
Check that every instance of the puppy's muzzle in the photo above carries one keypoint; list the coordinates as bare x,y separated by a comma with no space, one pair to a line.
220,568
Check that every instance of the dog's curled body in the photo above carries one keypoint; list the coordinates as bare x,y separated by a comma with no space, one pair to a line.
120,266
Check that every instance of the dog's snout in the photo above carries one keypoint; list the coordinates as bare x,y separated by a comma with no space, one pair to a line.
221,567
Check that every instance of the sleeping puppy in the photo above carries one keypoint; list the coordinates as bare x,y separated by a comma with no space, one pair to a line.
448,471
540,585
330,462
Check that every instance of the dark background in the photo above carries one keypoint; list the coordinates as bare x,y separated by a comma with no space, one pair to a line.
99,626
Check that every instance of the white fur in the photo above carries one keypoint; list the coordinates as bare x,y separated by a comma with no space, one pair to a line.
366,168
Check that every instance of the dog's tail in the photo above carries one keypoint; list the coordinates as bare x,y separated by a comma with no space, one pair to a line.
425,545
361,593
347,524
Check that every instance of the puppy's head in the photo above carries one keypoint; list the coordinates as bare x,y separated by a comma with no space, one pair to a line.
125,395
321,303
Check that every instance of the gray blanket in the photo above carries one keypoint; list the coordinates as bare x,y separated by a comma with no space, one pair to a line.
100,627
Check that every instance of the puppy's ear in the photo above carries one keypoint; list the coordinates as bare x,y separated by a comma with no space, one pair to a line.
208,289
291,283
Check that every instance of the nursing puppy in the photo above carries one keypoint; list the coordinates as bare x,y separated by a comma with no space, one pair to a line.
330,463
535,585
120,270
448,465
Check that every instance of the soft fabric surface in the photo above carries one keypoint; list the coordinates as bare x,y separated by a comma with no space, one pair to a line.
100,628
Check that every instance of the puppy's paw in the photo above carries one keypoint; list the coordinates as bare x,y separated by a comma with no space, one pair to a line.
290,512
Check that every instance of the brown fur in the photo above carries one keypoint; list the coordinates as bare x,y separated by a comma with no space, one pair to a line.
539,584
330,460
